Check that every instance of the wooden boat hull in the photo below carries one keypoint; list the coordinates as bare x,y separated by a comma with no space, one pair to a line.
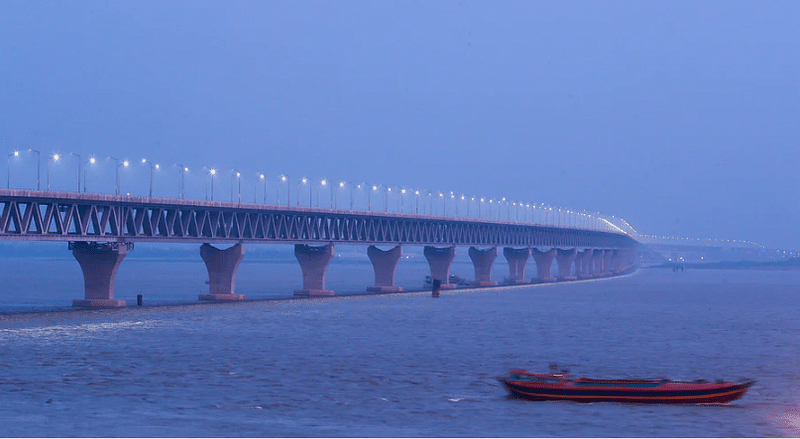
646,392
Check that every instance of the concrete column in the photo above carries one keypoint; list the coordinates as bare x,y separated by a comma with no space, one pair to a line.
544,264
517,259
99,263
608,269
384,262
222,266
314,261
483,260
586,264
597,263
565,258
439,260
578,264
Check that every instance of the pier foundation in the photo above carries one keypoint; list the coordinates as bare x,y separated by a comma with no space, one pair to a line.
544,264
565,259
483,260
517,260
586,263
221,266
597,263
99,263
608,268
384,262
439,260
314,261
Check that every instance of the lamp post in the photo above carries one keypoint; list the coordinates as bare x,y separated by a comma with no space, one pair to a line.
285,178
386,198
116,174
259,176
152,166
92,161
55,158
238,175
211,173
181,171
369,197
77,171
416,202
38,166
8,163
304,181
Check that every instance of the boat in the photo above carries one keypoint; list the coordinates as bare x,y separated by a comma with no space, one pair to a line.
562,387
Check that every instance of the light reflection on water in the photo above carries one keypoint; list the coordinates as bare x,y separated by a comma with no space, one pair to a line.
406,364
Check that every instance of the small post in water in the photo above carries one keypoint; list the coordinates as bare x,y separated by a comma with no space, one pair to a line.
437,286
139,299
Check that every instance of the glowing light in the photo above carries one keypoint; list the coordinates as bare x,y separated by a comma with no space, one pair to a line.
238,174
324,182
92,160
158,166
56,157
144,160
16,153
184,169
341,184
283,178
212,171
126,163
261,176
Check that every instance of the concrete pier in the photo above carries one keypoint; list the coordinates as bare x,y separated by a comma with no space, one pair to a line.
99,263
544,264
597,263
586,263
608,268
314,261
222,266
439,260
384,262
483,260
565,259
517,259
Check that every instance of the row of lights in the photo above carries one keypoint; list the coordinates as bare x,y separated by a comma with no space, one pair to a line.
599,220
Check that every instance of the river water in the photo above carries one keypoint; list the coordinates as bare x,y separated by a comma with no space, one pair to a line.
388,365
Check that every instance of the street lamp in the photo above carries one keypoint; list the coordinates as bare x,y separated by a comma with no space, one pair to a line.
369,197
152,166
386,198
259,176
285,178
77,171
55,158
38,166
416,202
8,163
181,179
304,180
92,161
238,175
211,173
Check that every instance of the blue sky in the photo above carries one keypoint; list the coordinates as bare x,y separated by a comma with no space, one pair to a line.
681,117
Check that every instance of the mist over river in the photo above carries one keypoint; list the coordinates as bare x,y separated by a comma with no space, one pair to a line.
387,365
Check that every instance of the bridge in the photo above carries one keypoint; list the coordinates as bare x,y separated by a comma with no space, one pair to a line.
101,229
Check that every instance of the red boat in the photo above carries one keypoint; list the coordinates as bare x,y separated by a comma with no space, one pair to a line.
560,387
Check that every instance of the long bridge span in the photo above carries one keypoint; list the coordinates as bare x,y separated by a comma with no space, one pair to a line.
101,229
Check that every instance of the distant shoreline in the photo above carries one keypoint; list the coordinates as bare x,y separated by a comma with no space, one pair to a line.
790,264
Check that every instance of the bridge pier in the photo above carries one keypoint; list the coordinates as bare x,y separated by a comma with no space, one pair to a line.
517,259
608,268
544,264
314,261
384,262
483,260
597,263
222,266
99,263
439,260
586,264
565,259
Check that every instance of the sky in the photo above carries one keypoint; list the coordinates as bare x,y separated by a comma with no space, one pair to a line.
679,116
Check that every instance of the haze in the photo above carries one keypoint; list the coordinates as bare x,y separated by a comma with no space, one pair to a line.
681,117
